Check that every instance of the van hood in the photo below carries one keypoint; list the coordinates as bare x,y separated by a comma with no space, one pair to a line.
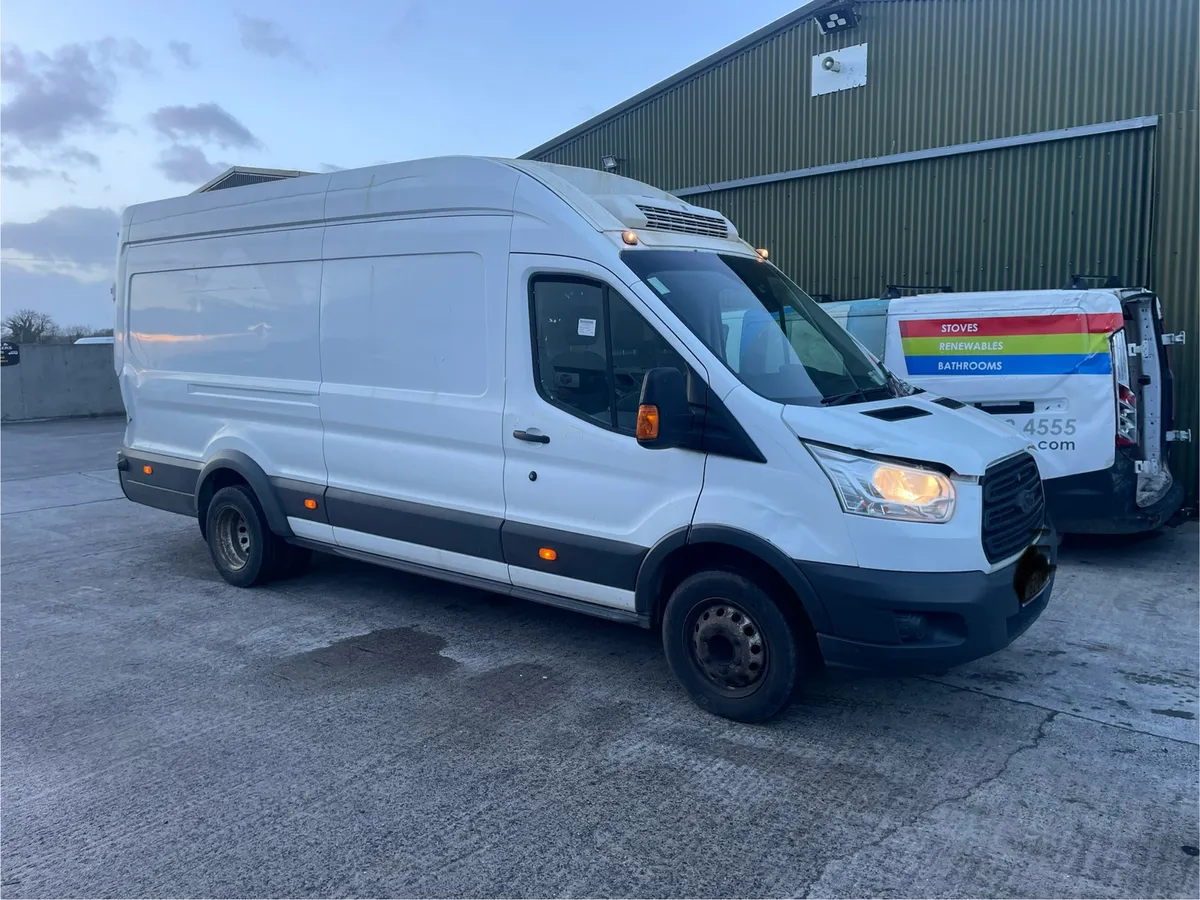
966,440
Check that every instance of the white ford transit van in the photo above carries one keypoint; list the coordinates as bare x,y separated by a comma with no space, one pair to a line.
574,388
1081,372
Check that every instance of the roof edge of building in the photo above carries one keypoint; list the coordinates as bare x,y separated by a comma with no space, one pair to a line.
806,10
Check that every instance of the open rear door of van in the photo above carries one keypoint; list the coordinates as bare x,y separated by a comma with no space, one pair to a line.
1145,392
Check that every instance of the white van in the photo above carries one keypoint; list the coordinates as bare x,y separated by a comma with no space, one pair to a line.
536,379
1082,373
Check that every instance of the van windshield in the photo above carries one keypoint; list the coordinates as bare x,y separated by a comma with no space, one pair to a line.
772,335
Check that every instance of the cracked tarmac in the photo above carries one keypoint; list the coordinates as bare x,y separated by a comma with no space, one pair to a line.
361,732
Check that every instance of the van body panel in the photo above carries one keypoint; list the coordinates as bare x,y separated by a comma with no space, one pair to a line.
544,225
281,205
221,349
424,188
422,554
932,433
786,500
412,355
587,481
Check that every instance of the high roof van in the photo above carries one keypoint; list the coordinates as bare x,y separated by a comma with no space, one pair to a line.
574,388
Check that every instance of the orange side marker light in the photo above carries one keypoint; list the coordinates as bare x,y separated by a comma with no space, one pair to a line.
647,422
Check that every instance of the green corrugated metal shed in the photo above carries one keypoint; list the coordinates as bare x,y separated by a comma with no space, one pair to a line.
996,144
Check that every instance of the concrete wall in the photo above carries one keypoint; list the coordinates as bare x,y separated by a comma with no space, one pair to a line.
59,380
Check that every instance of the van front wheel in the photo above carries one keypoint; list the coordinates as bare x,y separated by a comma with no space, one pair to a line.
242,545
730,646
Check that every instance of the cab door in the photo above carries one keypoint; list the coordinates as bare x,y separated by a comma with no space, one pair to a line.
583,501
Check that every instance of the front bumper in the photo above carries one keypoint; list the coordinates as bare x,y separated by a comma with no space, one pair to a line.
928,621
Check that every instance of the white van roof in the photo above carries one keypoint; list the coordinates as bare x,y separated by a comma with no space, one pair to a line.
451,184
1088,299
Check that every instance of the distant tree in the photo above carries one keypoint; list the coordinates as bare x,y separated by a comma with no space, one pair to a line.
75,332
28,326
102,332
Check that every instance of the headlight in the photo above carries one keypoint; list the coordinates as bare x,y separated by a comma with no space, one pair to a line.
868,487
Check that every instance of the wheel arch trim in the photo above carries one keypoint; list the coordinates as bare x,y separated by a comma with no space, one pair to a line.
659,556
252,473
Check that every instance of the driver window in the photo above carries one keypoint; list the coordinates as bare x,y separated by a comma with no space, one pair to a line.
592,350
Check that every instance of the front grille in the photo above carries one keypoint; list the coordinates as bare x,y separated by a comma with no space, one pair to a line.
1014,506
660,219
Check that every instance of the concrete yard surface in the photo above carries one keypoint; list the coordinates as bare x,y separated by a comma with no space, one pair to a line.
356,731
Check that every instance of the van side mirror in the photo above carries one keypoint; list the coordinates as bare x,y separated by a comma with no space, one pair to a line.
664,416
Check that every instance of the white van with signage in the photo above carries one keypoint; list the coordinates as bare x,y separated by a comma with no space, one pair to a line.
570,387
1081,373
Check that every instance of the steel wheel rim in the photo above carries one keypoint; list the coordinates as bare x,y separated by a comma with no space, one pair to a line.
233,538
727,647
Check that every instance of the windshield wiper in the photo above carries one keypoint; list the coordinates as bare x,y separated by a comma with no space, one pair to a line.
860,394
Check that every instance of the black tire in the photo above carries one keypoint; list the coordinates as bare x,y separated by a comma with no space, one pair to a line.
243,548
293,561
731,646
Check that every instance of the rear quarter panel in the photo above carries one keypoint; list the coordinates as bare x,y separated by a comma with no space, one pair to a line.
221,348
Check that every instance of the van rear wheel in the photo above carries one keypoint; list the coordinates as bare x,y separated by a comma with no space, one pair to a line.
244,549
731,646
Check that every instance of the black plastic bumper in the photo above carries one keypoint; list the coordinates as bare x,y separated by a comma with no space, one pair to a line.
1104,502
158,481
928,621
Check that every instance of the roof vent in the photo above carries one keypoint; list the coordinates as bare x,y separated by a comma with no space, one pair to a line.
659,218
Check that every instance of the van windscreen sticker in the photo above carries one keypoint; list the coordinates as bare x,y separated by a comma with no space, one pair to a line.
1069,344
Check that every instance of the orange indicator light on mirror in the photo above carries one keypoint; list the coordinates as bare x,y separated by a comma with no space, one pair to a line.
647,422
547,554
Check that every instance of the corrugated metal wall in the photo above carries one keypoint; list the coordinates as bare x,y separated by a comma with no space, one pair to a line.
941,72
944,72
984,221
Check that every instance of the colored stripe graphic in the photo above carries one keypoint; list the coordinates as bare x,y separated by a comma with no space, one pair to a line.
989,326
1069,344
1036,364
1018,344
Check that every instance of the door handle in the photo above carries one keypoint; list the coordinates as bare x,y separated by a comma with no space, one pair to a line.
531,437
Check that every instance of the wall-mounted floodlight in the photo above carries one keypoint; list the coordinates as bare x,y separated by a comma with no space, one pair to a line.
610,162
837,18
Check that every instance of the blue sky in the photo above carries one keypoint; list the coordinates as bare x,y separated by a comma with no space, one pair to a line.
114,103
